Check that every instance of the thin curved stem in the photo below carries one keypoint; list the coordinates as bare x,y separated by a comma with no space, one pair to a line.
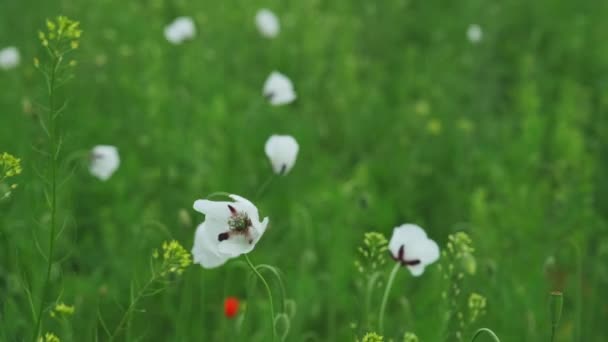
387,290
487,331
131,307
255,270
265,185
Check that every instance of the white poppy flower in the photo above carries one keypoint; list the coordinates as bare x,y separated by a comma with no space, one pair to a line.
474,33
282,151
278,89
229,230
180,30
267,23
104,161
411,247
9,58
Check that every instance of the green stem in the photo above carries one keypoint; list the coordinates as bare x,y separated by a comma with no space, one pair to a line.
387,290
263,187
553,333
254,269
52,129
488,332
131,307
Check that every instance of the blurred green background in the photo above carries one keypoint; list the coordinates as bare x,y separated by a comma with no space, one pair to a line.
399,119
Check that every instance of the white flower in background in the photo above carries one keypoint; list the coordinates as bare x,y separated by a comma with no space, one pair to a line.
282,151
180,30
278,89
267,23
229,230
474,33
9,58
104,161
410,246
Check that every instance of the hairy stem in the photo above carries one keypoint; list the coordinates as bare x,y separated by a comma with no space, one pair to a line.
255,270
387,290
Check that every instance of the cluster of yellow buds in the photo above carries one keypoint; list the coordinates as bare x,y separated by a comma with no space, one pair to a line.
9,167
60,31
477,306
372,337
49,337
62,36
410,337
174,257
372,254
62,310
460,251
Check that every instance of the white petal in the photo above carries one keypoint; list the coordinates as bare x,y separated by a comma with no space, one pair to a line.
425,250
282,150
416,270
474,33
205,251
180,30
267,23
104,161
404,235
212,209
9,58
236,245
279,89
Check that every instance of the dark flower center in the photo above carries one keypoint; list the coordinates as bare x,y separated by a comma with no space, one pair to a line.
400,257
239,223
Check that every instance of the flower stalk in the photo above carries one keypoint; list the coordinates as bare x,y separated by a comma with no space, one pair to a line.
255,270
62,37
387,290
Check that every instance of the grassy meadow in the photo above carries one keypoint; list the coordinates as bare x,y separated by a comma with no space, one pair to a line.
400,119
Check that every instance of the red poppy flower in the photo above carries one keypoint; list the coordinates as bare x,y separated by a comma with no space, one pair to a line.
231,307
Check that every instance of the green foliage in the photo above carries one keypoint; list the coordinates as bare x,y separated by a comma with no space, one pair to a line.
399,119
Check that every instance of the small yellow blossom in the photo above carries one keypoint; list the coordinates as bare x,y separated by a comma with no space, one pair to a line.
9,165
372,337
62,35
372,255
62,309
49,337
175,258
434,126
477,305
410,337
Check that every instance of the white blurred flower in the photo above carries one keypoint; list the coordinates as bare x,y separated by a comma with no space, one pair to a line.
474,33
180,30
282,151
278,89
410,246
104,161
267,23
229,230
9,58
